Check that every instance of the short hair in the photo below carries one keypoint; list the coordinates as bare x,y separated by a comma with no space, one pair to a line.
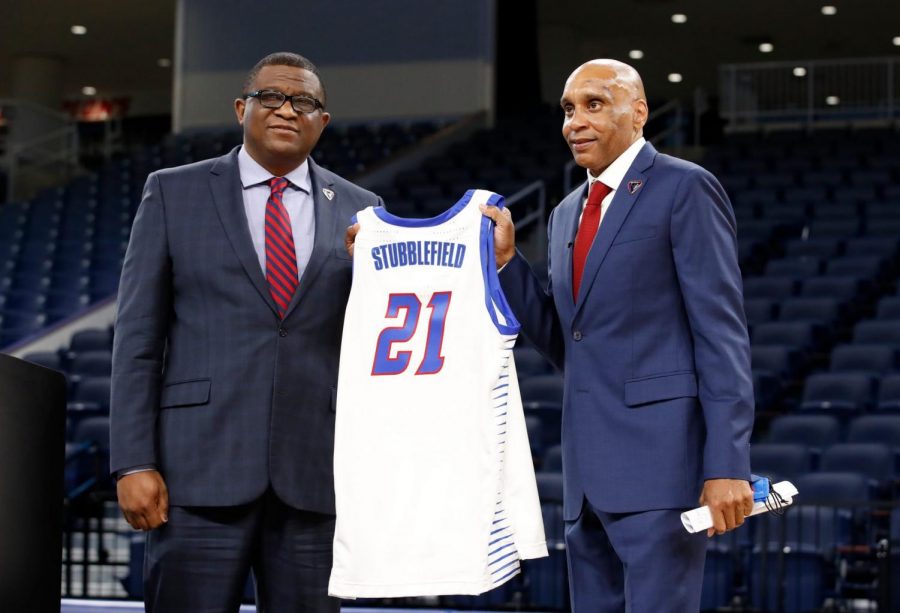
283,58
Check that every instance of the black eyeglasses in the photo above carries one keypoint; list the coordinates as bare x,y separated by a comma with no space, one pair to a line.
273,99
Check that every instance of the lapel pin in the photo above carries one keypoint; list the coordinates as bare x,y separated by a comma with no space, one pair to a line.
328,193
633,186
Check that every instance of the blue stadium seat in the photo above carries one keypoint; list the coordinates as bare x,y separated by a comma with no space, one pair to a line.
552,460
95,430
847,289
782,361
92,339
835,488
25,301
820,248
839,394
787,460
889,228
815,431
535,433
543,388
859,266
766,390
874,332
854,193
804,336
777,288
889,394
835,228
91,364
889,308
547,577
718,575
875,461
93,392
760,310
869,359
799,268
811,193
530,363
839,211
826,311
883,247
883,429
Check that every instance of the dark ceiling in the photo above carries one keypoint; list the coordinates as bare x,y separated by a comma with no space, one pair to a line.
125,39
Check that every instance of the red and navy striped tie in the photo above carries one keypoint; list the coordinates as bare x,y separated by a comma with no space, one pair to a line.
281,257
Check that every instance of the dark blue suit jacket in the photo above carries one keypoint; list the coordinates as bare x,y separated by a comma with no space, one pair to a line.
207,383
658,394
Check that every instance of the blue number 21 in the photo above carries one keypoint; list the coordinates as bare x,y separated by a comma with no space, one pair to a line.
433,361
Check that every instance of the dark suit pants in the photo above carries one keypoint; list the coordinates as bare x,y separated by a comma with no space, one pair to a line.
199,561
633,562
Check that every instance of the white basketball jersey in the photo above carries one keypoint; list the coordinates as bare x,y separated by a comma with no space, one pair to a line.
434,484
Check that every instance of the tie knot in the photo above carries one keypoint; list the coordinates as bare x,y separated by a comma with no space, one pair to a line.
278,185
599,191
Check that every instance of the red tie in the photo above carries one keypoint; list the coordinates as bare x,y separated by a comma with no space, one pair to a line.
587,229
281,257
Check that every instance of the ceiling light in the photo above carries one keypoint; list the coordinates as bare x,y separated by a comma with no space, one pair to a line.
87,90
674,77
829,10
766,47
799,71
635,54
163,62
679,18
78,30
897,41
832,101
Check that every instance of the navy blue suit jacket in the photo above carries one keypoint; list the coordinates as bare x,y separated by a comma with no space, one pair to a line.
658,393
208,384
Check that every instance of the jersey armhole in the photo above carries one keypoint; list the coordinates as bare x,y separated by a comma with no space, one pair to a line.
494,299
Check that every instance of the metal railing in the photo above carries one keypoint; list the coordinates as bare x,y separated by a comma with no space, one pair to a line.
810,91
529,210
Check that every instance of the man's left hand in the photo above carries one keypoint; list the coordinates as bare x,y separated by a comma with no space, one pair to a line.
350,238
729,502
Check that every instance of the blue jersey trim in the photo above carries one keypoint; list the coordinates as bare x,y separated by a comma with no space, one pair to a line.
404,222
493,293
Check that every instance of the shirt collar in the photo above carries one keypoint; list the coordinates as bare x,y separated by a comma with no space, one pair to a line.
615,172
254,174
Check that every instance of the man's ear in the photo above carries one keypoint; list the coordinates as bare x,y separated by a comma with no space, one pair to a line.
641,112
240,105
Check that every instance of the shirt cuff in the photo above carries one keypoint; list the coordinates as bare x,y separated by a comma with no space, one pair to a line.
135,469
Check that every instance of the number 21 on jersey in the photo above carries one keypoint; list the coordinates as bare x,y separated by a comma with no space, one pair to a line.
432,362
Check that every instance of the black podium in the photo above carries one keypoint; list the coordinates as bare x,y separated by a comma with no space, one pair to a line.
32,449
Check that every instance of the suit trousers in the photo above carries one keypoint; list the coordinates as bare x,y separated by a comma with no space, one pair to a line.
634,562
199,561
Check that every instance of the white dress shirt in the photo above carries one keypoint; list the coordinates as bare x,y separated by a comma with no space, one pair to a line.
297,200
613,175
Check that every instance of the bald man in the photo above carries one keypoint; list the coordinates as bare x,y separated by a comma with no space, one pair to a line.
644,314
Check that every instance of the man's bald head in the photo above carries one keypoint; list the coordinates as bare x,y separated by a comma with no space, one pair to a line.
619,73
605,111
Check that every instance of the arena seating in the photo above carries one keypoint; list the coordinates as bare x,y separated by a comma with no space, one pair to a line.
818,226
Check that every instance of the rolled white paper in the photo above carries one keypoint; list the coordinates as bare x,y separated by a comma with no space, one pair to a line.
699,519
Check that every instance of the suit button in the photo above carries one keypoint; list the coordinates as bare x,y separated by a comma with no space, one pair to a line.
282,332
576,335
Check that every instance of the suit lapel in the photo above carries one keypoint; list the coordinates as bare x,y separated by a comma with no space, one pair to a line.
326,218
569,212
621,205
225,184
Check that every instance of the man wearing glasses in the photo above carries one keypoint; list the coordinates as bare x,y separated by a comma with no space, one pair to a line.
226,354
